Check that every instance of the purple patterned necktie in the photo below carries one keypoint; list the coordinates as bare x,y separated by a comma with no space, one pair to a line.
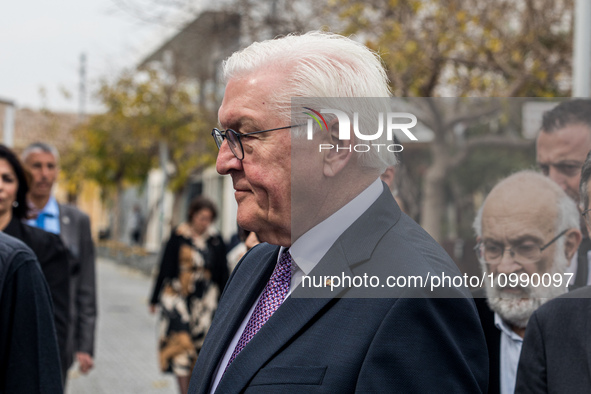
272,297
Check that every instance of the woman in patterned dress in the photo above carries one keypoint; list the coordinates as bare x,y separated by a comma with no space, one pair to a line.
193,272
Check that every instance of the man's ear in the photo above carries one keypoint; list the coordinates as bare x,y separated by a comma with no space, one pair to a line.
336,158
572,241
388,176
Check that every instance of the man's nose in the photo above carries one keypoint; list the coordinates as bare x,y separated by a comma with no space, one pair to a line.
507,264
226,161
44,172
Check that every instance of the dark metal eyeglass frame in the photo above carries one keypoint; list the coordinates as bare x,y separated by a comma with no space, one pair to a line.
220,135
585,215
513,254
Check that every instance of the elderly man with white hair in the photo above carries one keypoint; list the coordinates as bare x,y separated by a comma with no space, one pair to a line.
325,212
528,230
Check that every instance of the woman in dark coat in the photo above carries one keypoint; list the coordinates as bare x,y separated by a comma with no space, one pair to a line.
49,249
193,272
29,358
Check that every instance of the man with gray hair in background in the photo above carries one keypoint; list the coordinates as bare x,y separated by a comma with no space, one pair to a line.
73,227
527,230
322,213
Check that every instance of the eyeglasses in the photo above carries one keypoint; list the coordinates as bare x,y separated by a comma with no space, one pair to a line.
234,138
525,252
586,217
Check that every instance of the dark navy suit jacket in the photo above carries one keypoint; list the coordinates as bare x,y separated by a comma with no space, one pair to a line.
493,341
340,345
556,352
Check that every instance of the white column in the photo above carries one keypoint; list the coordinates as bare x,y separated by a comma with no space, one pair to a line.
8,137
582,49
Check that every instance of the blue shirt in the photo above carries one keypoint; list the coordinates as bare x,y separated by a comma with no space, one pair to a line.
48,218
510,351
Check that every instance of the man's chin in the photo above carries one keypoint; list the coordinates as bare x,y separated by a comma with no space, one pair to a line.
246,220
574,195
514,310
40,192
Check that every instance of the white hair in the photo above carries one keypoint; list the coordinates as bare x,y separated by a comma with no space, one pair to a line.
320,64
567,212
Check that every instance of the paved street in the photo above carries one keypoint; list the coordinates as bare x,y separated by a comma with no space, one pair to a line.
126,338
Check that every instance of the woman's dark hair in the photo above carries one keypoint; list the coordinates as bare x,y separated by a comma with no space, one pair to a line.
200,203
20,211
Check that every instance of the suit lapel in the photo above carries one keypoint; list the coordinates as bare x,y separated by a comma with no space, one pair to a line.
353,247
360,240
284,325
232,310
65,227
582,265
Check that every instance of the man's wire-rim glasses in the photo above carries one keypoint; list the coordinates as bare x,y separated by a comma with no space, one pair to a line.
586,216
234,138
528,253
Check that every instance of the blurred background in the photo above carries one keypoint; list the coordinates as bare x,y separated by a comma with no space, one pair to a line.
128,91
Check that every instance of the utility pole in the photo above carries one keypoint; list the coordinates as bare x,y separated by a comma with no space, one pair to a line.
82,89
582,49
168,63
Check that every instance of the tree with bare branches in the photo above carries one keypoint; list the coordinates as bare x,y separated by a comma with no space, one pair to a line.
465,48
150,117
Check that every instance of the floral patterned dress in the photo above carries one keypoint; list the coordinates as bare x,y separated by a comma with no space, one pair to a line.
188,296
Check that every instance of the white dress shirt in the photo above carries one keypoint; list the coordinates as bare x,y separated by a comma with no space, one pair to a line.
510,350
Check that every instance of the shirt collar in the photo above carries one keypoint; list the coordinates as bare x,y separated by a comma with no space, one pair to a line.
307,250
504,327
51,208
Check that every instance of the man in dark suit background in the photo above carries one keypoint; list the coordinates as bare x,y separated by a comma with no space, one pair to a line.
526,226
73,227
561,147
29,357
328,213
556,354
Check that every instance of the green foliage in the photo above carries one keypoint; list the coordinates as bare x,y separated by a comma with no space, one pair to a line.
467,47
143,110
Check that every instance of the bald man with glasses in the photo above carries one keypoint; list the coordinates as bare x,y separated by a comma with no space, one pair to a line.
528,231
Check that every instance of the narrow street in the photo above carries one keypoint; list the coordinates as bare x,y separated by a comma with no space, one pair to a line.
125,351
